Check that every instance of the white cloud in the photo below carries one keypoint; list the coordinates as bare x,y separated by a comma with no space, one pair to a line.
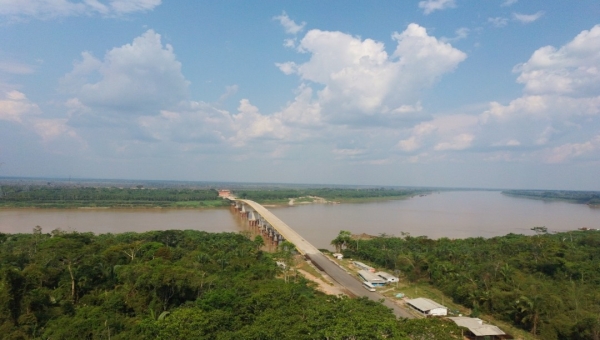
409,145
50,129
134,79
302,111
452,132
287,68
48,9
408,108
15,67
15,105
510,142
347,153
290,43
430,6
130,6
133,100
196,124
460,142
507,3
527,18
573,69
361,80
249,123
498,21
561,103
460,34
229,91
564,152
288,24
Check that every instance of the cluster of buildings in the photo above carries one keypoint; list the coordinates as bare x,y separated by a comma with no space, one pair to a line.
429,308
477,329
376,279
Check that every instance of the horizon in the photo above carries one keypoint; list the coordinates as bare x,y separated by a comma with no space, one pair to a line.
272,184
428,93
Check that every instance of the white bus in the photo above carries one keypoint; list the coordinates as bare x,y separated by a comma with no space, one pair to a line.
368,286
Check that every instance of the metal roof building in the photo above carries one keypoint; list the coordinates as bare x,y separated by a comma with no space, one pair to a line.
363,266
386,276
427,307
478,328
371,278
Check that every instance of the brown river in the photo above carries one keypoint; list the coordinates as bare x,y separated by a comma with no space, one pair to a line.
456,214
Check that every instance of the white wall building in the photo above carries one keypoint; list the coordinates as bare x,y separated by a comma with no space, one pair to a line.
427,307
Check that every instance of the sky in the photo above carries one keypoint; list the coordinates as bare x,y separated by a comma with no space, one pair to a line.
451,93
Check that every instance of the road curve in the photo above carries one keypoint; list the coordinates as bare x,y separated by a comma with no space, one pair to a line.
345,279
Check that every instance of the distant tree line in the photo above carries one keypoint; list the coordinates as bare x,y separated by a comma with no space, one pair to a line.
547,283
326,193
88,196
175,285
581,197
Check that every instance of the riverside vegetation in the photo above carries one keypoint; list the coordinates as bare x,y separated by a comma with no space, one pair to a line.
546,284
591,198
330,194
44,196
176,285
14,196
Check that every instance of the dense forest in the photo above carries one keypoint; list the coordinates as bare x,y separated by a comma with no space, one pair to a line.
176,285
332,194
50,196
581,197
72,197
547,283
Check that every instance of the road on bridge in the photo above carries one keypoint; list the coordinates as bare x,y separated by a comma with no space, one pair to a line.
346,280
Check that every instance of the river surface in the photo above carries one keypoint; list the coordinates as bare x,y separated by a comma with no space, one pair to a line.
456,214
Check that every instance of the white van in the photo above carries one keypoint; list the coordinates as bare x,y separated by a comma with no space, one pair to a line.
368,286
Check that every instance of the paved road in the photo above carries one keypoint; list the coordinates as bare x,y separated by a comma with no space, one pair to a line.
353,285
346,280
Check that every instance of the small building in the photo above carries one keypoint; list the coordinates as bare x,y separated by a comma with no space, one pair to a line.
338,256
479,330
371,278
363,266
224,193
427,307
387,277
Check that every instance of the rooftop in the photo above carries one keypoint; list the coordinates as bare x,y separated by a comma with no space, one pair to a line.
476,326
386,275
424,304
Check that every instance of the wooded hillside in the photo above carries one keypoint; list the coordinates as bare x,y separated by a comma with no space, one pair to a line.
547,284
175,285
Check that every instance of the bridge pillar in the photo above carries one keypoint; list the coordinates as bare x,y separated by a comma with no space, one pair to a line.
251,218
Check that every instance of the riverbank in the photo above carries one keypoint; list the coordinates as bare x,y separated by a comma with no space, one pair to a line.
99,205
590,198
319,200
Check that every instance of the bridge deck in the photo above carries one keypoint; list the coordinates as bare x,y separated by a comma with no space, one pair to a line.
303,246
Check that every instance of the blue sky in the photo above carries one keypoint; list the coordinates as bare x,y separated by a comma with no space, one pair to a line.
487,93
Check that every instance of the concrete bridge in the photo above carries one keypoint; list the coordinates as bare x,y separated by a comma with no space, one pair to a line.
277,231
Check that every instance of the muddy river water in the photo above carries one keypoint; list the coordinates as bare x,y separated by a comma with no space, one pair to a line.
455,214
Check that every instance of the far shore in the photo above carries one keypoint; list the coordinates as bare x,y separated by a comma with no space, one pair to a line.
189,205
